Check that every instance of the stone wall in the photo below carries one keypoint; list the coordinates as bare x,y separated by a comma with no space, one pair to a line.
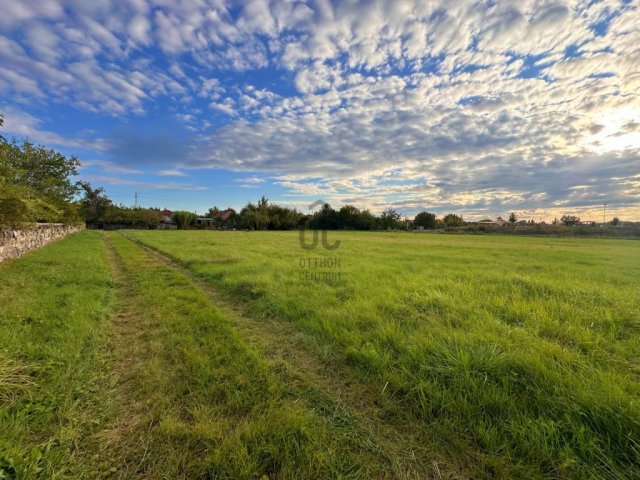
15,243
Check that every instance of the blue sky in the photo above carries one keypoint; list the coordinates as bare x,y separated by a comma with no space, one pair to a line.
478,108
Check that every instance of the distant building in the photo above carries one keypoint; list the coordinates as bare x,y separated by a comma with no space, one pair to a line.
167,215
224,215
220,219
167,219
205,221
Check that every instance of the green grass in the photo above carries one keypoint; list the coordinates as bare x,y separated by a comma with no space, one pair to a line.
55,303
520,355
429,356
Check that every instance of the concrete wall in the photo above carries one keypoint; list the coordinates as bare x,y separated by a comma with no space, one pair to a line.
15,243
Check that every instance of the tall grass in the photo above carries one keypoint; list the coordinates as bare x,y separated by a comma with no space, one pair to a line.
520,355
55,304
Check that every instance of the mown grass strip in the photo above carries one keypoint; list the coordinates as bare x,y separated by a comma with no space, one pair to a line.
298,359
209,406
53,323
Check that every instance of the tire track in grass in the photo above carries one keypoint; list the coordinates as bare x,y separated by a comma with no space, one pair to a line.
292,354
162,420
120,447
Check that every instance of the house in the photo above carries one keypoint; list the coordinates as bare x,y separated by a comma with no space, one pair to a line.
167,220
220,219
204,222
166,216
224,215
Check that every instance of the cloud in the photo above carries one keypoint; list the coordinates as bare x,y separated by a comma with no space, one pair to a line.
22,124
171,173
120,181
474,105
110,167
250,180
139,29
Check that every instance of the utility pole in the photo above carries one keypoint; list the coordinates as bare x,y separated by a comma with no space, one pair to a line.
136,202
604,214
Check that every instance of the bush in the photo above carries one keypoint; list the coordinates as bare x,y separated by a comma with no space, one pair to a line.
184,219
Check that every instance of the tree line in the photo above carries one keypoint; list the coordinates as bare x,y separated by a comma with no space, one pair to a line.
264,215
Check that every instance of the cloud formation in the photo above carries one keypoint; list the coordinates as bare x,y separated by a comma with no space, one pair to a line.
471,106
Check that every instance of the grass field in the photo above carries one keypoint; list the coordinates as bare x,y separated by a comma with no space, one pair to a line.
171,354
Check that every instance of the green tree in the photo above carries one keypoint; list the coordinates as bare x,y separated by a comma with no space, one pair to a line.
425,220
390,219
146,217
213,211
94,204
35,183
325,219
513,218
452,220
615,221
348,217
184,219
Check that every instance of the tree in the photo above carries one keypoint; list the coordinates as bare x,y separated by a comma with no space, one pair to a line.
35,183
513,218
452,220
570,220
184,219
146,217
366,220
94,204
213,211
615,221
348,217
425,220
325,219
390,219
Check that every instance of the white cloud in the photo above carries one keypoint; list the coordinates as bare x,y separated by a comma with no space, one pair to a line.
467,103
139,29
250,180
171,173
24,125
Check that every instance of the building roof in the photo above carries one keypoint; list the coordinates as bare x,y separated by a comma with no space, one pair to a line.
224,214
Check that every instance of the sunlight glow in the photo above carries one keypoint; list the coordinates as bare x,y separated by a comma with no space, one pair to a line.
620,130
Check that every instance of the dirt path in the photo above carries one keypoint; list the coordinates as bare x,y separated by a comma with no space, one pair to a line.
291,354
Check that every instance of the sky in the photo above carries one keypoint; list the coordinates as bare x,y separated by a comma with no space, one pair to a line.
474,107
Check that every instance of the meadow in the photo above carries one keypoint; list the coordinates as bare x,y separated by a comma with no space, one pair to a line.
213,354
